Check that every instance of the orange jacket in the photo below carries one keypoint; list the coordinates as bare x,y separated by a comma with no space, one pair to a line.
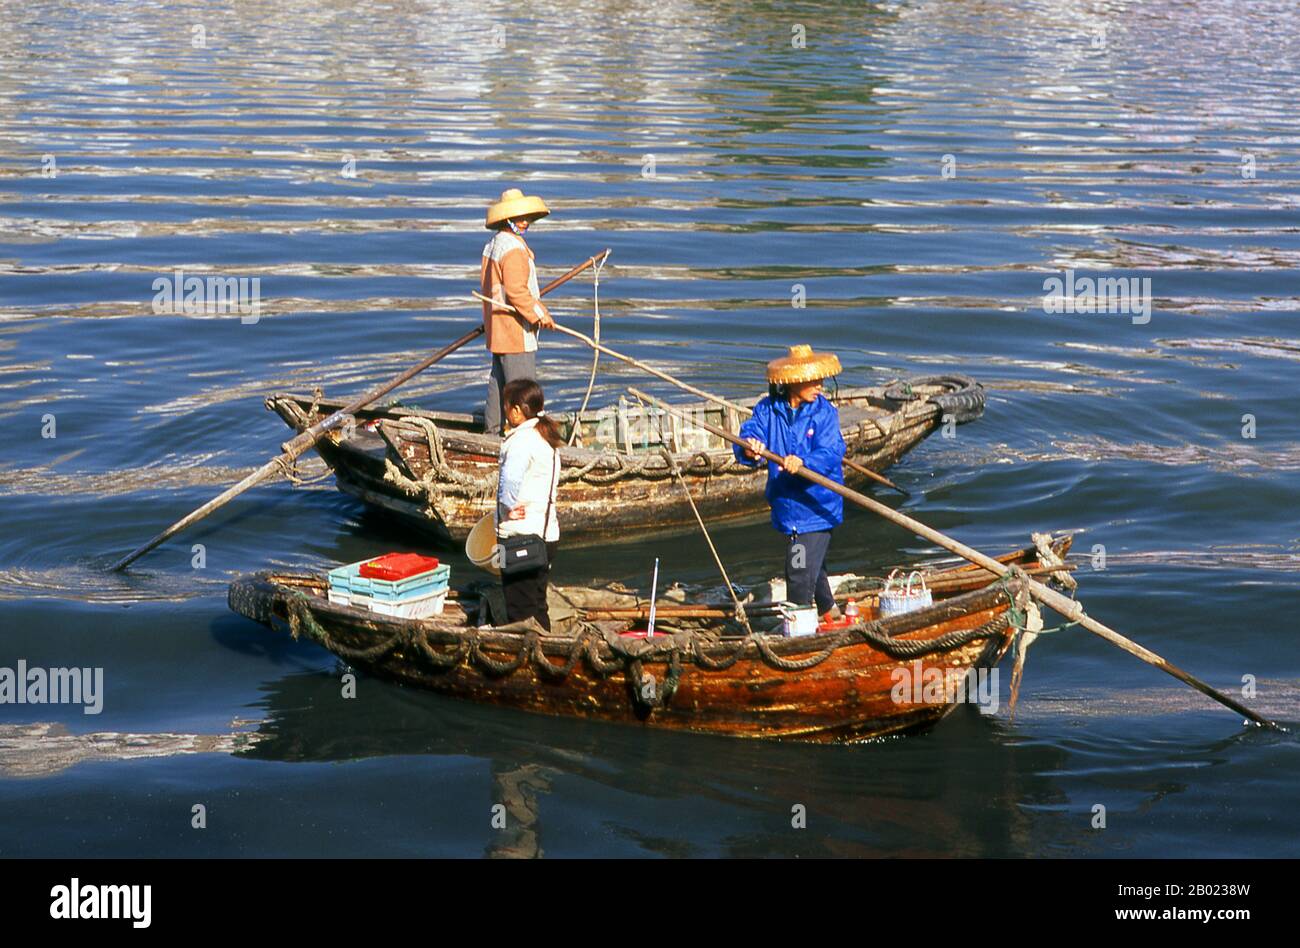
510,276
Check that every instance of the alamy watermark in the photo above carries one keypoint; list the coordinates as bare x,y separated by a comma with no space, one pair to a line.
1071,294
75,900
23,685
917,683
181,295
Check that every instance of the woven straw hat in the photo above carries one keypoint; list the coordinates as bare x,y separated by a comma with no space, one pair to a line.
480,545
514,204
802,365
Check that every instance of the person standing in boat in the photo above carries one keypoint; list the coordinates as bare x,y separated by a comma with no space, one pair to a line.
799,423
509,276
529,479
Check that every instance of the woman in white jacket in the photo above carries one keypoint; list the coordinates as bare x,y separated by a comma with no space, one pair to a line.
530,476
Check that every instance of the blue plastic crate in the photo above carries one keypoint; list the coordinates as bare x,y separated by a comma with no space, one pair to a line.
348,579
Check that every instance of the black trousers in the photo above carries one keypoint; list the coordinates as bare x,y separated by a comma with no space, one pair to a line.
526,593
805,570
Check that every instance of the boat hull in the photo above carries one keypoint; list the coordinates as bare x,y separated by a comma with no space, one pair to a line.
854,686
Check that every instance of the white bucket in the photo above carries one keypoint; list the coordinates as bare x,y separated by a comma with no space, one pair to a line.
900,596
798,620
481,544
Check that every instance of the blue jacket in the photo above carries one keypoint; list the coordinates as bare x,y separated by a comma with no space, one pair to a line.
813,434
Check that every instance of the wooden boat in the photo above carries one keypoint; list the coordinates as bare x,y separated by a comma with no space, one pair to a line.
437,470
705,674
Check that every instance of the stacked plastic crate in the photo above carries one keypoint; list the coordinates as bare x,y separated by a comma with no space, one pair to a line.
406,585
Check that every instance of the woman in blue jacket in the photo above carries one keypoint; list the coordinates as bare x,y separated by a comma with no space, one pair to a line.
797,422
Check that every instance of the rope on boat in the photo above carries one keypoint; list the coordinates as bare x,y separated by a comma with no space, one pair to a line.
1026,618
300,616
444,478
595,353
443,659
1049,557
502,668
290,468
440,473
317,394
290,471
628,656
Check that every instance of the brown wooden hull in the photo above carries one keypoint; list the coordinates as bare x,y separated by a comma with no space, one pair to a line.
607,494
851,694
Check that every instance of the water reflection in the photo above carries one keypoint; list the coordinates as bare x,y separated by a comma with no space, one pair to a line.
856,804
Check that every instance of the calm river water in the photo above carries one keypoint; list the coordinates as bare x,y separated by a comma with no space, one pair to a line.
919,168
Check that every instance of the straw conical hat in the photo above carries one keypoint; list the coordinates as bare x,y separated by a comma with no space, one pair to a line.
802,365
514,204
481,544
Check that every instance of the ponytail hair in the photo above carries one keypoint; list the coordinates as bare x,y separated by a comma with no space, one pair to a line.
527,395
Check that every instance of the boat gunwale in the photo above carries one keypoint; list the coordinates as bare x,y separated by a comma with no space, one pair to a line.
461,444
993,596
843,394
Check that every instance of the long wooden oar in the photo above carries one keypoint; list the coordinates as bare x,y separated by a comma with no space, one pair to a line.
708,396
293,448
1070,608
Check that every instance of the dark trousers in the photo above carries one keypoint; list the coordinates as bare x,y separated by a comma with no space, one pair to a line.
526,593
805,570
505,368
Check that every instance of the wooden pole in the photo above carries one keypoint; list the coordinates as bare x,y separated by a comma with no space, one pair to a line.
1071,609
293,448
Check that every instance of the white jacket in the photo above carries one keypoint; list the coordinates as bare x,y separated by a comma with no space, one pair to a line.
530,475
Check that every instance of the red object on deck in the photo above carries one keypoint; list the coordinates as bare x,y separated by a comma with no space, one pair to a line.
639,633
395,566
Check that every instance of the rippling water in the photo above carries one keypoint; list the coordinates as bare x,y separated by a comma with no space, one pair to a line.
918,168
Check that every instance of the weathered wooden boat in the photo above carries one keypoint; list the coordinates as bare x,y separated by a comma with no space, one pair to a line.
437,470
705,674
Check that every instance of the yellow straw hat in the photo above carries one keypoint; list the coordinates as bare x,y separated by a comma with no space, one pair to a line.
515,204
481,544
802,365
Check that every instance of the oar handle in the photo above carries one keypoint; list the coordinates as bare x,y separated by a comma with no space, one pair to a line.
1069,608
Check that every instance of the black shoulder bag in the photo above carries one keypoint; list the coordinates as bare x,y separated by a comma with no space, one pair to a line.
527,552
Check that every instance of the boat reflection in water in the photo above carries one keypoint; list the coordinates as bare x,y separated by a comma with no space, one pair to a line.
720,796
975,786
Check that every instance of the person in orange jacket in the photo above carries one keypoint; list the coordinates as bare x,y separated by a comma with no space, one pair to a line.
509,276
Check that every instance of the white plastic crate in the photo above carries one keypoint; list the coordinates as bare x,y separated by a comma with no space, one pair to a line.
419,607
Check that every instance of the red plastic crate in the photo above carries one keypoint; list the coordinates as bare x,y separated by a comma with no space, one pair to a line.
395,566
